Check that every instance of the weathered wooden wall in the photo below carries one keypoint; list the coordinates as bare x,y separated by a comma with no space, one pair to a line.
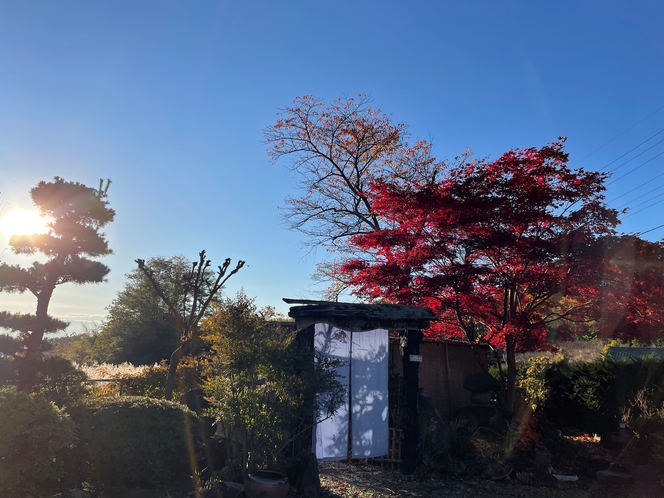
443,369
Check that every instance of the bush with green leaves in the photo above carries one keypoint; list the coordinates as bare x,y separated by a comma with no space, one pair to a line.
589,396
60,381
263,388
35,435
57,379
531,379
134,441
8,374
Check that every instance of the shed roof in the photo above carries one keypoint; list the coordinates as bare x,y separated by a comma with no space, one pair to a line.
618,353
359,316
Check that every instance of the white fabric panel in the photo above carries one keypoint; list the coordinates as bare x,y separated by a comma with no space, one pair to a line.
330,441
369,372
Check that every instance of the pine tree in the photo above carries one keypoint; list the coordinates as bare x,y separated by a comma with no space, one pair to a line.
76,214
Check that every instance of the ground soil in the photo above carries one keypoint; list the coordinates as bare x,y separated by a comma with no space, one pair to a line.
353,480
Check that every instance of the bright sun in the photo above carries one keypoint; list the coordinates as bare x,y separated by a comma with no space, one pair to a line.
22,222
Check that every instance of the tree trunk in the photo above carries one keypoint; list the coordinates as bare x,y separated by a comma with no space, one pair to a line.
510,393
176,356
411,423
28,369
33,344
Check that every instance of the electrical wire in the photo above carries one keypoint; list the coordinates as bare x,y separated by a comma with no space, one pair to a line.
637,187
619,135
641,233
643,209
632,149
647,200
630,160
641,196
634,169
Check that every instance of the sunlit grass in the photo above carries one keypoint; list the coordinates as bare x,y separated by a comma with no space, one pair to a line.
109,370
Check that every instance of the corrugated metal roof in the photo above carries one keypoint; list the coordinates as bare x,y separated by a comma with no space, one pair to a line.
621,354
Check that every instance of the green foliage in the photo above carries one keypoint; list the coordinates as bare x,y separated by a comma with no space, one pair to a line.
34,435
59,381
136,442
8,370
79,349
140,329
56,380
531,379
590,396
263,388
251,380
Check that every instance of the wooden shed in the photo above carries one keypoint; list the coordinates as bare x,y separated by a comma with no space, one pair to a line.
409,320
444,367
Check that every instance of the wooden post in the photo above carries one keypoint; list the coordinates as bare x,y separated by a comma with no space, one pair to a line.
411,453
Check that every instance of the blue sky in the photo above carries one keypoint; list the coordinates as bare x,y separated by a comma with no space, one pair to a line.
169,100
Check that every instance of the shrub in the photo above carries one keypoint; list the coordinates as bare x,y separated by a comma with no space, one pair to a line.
264,391
590,396
137,442
58,380
34,434
532,379
8,373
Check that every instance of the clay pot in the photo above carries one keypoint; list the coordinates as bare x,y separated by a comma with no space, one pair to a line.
275,484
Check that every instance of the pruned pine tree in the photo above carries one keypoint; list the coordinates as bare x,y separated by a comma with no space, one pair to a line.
76,214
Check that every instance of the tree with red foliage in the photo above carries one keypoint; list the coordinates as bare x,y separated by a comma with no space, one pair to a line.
632,289
492,248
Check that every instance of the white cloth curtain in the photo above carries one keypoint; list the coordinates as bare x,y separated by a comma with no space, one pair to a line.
369,372
368,366
331,434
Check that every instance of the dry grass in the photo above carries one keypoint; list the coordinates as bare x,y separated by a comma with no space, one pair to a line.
573,351
109,370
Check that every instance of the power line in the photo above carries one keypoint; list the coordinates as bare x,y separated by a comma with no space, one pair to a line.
647,200
634,148
646,193
634,169
618,136
643,209
637,187
641,233
640,153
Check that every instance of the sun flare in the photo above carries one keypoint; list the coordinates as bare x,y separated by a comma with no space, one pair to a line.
22,222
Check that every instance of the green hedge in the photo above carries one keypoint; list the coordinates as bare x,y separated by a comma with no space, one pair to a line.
590,396
133,442
34,436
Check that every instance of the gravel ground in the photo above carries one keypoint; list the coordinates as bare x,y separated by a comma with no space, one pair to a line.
350,480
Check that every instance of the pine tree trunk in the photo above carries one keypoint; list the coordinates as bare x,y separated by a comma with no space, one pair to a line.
28,369
33,344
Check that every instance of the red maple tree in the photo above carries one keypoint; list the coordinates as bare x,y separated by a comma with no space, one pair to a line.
632,289
497,249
